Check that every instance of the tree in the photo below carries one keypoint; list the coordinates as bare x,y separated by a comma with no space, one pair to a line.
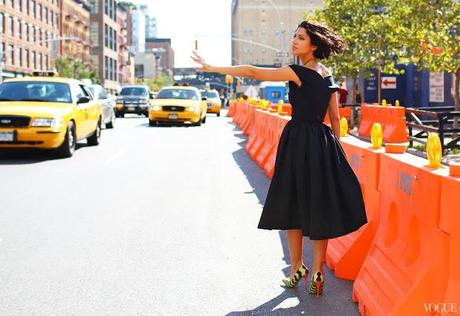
156,83
371,33
435,47
71,68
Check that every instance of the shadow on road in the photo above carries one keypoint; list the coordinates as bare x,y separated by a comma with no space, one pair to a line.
21,156
336,299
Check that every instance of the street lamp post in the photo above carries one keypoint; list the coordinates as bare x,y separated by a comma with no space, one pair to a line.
282,52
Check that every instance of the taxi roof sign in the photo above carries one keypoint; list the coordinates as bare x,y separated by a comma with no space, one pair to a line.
44,73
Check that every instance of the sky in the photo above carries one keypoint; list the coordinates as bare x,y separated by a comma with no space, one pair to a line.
208,21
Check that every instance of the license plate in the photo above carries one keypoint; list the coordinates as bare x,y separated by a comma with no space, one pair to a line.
173,116
131,108
6,136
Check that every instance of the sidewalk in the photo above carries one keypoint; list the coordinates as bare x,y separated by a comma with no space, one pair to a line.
336,299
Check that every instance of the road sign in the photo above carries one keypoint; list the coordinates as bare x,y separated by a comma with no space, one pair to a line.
388,82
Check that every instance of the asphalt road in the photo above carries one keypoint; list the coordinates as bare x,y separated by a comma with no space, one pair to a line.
154,221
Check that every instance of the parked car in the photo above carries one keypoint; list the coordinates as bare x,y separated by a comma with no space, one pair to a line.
133,99
213,101
107,102
178,104
48,113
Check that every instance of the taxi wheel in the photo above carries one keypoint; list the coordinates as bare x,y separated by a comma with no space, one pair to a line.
218,113
95,139
204,119
69,145
110,124
198,123
152,123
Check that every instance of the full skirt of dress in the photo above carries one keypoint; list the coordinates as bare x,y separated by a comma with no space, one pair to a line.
313,187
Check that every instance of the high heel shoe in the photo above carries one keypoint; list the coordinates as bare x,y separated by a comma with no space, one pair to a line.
316,285
302,272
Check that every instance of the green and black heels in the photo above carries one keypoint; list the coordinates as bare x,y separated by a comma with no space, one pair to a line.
316,285
302,272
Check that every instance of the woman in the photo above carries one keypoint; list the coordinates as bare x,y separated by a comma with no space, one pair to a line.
314,191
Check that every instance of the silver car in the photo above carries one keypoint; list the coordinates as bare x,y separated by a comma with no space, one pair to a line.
107,102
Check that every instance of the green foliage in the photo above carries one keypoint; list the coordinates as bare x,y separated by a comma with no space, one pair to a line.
70,68
156,83
423,32
127,4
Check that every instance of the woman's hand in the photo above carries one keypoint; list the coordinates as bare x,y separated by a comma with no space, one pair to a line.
200,60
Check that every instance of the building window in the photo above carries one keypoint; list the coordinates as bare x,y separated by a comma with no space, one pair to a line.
26,30
57,20
19,53
106,7
27,7
47,66
19,28
10,26
94,34
20,5
115,40
106,35
33,8
46,39
2,20
106,67
34,60
11,54
26,53
115,72
46,15
40,61
39,13
34,39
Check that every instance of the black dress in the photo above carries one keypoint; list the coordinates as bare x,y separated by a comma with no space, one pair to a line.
313,187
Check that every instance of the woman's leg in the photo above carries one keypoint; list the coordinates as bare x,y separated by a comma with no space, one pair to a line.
319,254
295,241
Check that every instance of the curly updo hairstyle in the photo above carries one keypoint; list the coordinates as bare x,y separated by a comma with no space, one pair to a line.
326,41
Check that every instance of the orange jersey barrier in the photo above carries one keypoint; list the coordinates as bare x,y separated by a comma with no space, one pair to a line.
407,264
346,254
392,119
246,119
231,109
260,132
287,108
271,140
450,224
269,166
343,112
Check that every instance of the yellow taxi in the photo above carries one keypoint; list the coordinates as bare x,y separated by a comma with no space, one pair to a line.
48,113
178,104
213,101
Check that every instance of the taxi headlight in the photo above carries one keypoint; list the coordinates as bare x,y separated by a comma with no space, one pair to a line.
155,108
192,108
47,122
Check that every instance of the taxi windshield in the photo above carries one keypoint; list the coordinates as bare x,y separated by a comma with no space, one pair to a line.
210,94
35,91
133,91
178,94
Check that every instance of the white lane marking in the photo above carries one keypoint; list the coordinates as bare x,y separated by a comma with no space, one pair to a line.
114,157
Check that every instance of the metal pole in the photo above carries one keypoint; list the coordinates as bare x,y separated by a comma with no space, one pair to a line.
1,58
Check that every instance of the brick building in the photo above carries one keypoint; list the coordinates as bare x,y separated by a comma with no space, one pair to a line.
29,31
75,21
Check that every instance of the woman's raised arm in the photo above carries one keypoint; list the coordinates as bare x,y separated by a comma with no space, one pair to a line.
259,73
